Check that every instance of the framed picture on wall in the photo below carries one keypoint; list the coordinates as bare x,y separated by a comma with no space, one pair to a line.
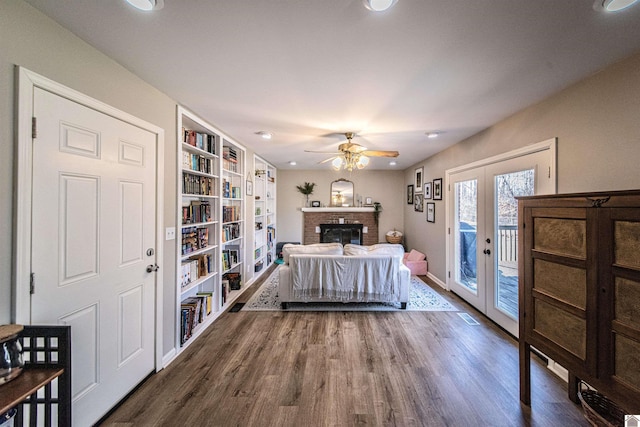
431,212
409,194
437,189
417,179
427,190
417,204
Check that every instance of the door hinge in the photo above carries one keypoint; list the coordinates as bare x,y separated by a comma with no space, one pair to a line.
34,128
449,274
549,171
32,284
449,230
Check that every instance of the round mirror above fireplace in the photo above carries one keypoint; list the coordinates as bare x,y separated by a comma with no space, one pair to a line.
342,193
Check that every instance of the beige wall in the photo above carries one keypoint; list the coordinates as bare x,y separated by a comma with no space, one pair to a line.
382,186
31,40
597,123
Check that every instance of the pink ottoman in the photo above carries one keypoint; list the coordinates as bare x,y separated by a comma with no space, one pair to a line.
416,262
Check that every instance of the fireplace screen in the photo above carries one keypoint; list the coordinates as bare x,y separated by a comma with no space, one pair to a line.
341,233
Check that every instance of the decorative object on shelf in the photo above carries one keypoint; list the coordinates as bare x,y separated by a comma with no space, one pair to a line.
249,185
260,172
431,212
315,204
306,189
377,208
394,236
368,201
437,189
11,359
427,190
417,179
410,194
417,203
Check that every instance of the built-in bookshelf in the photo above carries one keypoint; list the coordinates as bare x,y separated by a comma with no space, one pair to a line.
264,215
198,225
233,223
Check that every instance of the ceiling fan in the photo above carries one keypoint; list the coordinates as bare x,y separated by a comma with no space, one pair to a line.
353,156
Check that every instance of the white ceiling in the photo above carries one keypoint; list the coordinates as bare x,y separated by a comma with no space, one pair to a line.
309,70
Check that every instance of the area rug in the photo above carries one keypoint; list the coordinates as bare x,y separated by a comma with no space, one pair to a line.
421,298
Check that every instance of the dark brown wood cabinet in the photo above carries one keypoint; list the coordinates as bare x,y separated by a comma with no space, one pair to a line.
579,295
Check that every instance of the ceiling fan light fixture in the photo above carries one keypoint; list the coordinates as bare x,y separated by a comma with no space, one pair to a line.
613,5
337,163
146,5
362,162
379,5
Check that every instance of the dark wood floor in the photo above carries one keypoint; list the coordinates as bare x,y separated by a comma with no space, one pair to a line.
348,368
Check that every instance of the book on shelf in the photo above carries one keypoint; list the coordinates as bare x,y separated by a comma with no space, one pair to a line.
230,232
197,185
234,280
194,238
201,140
196,162
230,213
197,211
230,256
208,301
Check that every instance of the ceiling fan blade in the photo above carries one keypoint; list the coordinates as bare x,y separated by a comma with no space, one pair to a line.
322,152
374,153
327,160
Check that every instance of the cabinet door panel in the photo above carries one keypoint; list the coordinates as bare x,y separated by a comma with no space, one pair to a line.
564,329
568,284
561,236
627,244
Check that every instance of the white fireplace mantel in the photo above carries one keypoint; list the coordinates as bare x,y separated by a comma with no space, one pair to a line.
339,209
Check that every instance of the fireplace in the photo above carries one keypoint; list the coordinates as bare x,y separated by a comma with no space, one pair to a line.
362,218
341,233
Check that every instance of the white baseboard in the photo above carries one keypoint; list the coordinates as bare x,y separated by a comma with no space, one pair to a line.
559,370
169,357
436,280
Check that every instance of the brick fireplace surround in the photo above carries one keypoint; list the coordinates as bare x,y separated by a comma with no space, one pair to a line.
313,217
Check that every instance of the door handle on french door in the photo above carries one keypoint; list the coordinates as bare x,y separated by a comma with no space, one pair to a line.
152,267
487,252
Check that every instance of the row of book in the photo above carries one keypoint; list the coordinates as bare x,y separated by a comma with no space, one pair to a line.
231,213
194,310
195,268
198,185
200,140
230,232
194,238
196,162
230,159
196,212
230,256
230,191
230,282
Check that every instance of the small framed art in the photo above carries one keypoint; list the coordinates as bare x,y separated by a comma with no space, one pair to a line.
417,179
437,189
409,194
315,203
427,190
249,188
431,212
417,203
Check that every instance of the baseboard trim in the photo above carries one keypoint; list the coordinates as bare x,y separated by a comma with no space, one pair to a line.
436,280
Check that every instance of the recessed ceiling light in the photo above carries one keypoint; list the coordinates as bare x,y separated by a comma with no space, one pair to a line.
379,5
433,134
265,134
147,5
613,5
392,163
292,163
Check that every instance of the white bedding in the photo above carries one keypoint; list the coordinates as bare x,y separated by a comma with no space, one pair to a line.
346,278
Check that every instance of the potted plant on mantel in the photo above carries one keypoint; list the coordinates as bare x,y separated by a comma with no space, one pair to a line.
307,190
377,208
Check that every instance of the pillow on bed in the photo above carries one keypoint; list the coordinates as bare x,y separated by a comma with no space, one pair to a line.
314,248
378,249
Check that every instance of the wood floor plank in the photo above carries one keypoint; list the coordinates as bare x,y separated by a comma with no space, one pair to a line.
346,369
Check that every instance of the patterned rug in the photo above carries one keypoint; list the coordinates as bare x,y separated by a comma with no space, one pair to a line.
421,298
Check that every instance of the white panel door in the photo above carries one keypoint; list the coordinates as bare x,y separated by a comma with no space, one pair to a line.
93,231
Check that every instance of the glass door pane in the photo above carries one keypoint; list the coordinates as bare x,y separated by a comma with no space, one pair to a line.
507,187
466,225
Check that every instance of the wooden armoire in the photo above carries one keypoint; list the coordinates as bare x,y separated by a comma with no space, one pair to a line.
579,294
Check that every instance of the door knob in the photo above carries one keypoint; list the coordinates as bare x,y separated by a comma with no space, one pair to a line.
152,267
487,252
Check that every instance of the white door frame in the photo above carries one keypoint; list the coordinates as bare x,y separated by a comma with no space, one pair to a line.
27,81
549,144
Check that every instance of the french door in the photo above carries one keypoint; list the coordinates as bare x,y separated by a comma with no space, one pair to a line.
482,225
